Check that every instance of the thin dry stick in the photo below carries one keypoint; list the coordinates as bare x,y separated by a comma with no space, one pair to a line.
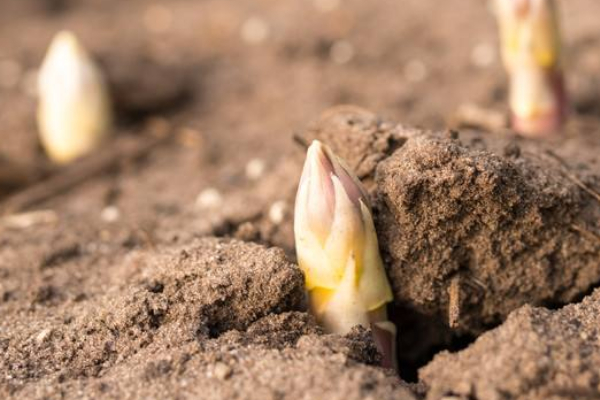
470,115
300,141
573,177
122,151
454,302
586,232
28,219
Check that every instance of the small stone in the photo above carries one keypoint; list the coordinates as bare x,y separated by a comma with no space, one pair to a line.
255,168
415,71
341,52
43,335
483,55
110,214
255,30
222,371
209,198
277,212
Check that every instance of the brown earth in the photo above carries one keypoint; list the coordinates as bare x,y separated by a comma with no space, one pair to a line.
465,223
190,321
113,285
535,354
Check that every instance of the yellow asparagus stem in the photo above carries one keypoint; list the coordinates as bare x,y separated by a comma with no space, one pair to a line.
337,249
74,112
531,50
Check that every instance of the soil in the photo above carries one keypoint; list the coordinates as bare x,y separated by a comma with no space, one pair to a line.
163,266
535,354
190,321
468,231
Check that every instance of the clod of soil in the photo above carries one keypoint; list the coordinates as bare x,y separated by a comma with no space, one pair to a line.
469,234
537,354
216,319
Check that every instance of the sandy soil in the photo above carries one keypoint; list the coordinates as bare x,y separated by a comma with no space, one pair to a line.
163,267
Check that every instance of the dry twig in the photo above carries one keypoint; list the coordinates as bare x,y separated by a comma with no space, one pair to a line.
454,302
120,151
300,141
572,176
470,115
586,232
28,219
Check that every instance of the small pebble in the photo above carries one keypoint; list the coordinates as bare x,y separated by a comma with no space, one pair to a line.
43,335
326,5
277,212
222,371
110,214
483,55
255,168
415,71
10,73
209,198
341,52
158,19
255,30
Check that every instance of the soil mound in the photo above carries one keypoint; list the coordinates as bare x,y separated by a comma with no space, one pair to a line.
470,234
535,354
217,319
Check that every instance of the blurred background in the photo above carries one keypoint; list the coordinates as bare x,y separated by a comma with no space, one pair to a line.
236,79
259,69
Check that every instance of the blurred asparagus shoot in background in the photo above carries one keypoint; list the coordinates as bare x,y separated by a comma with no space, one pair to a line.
74,110
531,50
